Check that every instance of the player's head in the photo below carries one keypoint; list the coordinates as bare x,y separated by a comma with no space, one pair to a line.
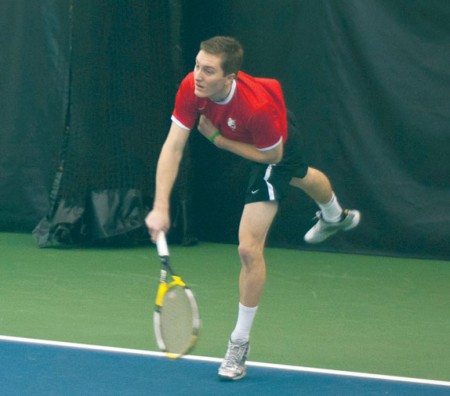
229,49
216,67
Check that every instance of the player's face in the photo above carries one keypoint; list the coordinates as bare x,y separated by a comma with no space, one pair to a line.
210,81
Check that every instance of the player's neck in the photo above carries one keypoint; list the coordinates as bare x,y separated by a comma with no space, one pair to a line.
224,99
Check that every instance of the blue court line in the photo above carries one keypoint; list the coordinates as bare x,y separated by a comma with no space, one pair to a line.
37,367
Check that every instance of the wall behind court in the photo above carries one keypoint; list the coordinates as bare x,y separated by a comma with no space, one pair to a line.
368,82
33,83
87,89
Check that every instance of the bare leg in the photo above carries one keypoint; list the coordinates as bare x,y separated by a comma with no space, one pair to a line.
255,224
315,184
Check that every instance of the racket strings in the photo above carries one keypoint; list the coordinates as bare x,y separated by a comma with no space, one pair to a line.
176,322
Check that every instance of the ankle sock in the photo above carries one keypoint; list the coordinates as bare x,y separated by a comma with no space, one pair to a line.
331,211
244,323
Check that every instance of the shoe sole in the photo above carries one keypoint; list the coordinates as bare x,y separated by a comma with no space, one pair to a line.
238,377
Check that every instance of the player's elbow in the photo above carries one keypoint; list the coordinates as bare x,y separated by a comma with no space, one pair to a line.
273,160
277,158
275,155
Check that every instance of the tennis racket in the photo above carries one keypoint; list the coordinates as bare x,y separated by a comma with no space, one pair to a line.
176,319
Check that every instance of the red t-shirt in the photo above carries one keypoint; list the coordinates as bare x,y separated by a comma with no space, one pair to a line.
253,113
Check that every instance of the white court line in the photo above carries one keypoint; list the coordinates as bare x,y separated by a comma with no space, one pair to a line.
217,360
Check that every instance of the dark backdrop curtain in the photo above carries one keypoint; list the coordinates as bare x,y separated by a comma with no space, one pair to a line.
368,80
87,91
33,91
370,84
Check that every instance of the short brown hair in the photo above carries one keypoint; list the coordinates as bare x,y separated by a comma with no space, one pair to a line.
229,48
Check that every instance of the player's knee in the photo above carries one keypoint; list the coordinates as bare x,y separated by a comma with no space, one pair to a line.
249,253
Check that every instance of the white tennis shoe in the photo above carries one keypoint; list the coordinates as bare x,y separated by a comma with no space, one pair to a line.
324,229
233,365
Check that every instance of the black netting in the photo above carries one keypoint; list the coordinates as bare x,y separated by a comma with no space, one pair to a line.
122,71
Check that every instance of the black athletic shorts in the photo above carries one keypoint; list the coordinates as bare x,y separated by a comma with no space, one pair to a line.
270,182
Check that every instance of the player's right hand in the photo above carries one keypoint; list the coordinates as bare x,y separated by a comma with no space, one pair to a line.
157,221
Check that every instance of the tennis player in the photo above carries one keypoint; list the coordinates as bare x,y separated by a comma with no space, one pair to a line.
248,117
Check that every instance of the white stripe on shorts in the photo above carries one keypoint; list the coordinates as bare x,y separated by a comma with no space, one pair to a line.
270,188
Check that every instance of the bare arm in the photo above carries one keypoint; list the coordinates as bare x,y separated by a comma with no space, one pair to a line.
250,152
245,150
166,173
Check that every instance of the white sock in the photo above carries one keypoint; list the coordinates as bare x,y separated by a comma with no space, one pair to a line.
244,323
331,211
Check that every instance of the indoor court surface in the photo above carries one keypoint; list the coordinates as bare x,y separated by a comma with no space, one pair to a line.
79,322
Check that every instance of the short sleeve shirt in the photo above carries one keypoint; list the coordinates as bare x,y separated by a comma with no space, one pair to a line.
254,112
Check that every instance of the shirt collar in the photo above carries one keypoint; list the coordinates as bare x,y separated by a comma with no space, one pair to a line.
230,95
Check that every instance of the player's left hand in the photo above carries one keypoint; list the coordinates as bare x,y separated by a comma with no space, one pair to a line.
206,127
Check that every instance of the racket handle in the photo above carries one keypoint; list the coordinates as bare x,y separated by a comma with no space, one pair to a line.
161,245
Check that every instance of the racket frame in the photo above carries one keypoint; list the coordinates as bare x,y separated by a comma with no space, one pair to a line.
163,288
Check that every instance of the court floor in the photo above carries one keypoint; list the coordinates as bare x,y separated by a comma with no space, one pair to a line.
327,324
37,367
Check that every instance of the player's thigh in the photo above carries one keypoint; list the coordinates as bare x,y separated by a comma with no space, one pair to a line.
256,220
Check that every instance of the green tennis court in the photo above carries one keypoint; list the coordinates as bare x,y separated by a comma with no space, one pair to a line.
368,314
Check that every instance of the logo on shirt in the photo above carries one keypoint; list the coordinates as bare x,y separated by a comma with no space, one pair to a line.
231,123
